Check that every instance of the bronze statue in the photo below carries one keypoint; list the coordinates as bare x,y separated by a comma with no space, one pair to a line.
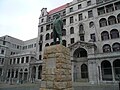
57,29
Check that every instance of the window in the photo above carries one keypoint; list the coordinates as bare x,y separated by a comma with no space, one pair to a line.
82,37
90,14
84,71
51,25
117,5
112,20
47,36
41,29
80,17
40,57
104,35
22,60
63,32
109,8
51,35
2,51
92,36
116,47
42,20
40,47
27,59
79,6
72,30
47,44
64,13
101,11
103,22
72,40
91,24
47,27
114,33
14,61
106,48
18,60
71,19
71,9
10,61
4,42
118,18
64,21
81,29
88,3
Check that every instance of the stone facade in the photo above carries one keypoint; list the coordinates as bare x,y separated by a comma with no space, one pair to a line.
56,71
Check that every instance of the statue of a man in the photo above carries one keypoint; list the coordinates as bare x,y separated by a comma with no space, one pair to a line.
57,29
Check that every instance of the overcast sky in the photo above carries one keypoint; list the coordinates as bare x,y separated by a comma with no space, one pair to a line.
19,18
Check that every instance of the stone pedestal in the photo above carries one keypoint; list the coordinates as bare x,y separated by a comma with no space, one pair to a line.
56,70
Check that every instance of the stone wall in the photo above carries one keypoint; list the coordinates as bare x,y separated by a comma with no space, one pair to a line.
56,71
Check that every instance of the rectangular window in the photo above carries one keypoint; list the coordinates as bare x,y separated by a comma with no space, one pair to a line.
2,51
92,36
90,14
10,61
14,61
18,60
80,17
71,9
117,5
109,8
47,27
64,21
40,57
79,6
72,40
71,19
41,29
101,10
4,42
82,37
27,59
88,3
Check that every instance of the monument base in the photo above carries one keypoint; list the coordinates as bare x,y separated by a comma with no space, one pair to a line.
56,69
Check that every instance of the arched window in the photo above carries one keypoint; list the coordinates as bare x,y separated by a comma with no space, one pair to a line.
116,66
91,24
51,35
47,36
104,35
112,20
84,71
116,47
72,30
47,44
39,72
64,42
106,48
114,33
80,52
118,18
106,70
103,22
81,28
63,32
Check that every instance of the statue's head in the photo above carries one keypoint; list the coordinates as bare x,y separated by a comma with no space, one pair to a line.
57,16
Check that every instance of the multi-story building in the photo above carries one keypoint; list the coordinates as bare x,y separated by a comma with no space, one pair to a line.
91,31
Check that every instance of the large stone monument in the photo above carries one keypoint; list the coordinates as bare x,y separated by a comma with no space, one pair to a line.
56,71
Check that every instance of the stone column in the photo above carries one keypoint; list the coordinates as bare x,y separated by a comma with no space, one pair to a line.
36,77
56,70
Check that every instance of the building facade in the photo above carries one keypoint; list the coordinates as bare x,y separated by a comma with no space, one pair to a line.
91,31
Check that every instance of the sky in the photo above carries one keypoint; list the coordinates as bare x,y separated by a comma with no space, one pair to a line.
20,18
